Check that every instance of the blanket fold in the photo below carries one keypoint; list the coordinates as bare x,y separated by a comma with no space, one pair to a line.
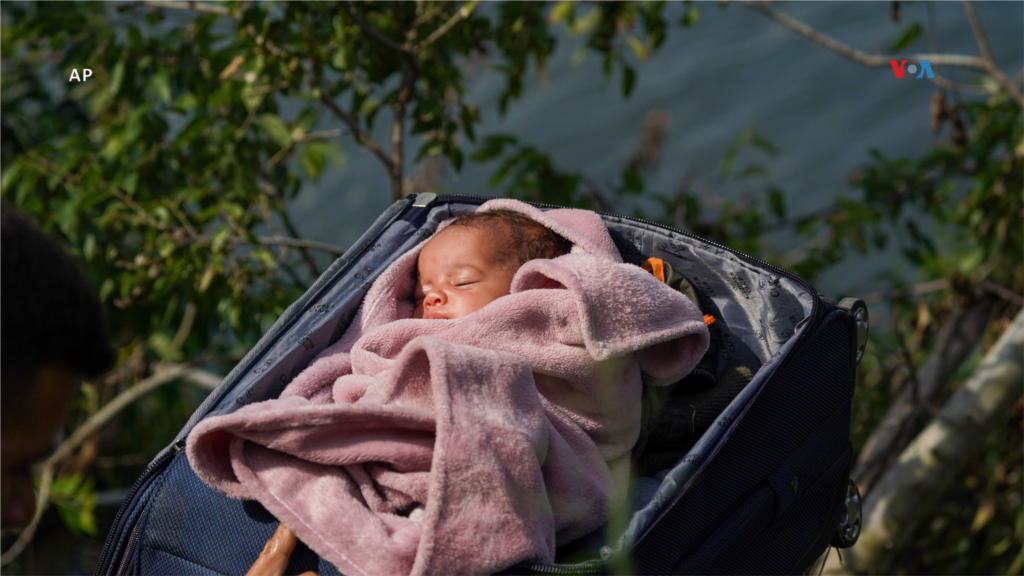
463,446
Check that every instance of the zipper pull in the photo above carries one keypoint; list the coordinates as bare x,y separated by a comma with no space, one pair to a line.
423,199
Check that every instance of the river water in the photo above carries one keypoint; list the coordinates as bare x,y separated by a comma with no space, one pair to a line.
734,68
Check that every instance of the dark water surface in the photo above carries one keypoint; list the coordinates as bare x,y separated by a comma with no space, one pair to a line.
734,68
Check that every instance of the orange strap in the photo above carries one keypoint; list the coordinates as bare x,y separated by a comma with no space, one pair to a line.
655,266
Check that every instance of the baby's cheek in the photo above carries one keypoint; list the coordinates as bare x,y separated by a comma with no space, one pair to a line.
417,312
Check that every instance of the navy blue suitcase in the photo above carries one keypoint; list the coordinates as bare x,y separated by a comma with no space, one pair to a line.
764,490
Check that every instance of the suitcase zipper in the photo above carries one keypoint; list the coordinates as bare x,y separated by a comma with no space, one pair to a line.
129,502
129,549
591,567
594,566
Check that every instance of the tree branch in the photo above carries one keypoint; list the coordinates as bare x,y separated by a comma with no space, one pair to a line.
286,150
42,502
871,60
1018,78
202,7
287,221
443,29
271,191
370,31
301,243
880,60
162,376
938,454
398,131
360,136
955,343
979,33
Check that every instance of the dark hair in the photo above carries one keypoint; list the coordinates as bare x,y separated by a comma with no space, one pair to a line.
525,238
50,315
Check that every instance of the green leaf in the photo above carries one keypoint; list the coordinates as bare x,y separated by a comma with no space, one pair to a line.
632,183
162,344
117,76
277,130
89,247
562,12
628,80
369,109
165,247
311,157
1017,565
776,202
75,500
159,86
10,175
340,59
220,238
455,157
690,17
639,48
106,289
909,35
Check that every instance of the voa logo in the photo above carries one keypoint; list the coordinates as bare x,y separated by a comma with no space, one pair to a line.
925,67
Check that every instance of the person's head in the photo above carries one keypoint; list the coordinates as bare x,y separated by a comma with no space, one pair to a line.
52,335
471,262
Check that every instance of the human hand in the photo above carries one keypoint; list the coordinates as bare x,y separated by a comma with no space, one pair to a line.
273,560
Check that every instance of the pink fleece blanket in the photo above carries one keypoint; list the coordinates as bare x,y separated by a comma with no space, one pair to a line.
463,446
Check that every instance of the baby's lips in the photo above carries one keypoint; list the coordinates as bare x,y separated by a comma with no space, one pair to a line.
434,316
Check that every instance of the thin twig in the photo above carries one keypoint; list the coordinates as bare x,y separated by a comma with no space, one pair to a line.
428,15
42,502
881,60
443,29
1003,81
1018,78
268,217
203,7
915,290
360,136
163,375
271,191
1002,292
936,285
979,32
185,328
301,243
372,32
183,218
321,135
398,131
872,60
286,150
83,432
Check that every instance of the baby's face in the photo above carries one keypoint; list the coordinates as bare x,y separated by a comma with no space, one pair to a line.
458,274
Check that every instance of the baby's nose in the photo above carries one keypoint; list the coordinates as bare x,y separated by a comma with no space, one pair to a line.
434,298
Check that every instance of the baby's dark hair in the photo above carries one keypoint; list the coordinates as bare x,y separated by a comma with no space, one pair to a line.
525,238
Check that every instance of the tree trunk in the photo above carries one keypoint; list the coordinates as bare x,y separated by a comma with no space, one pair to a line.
894,431
908,491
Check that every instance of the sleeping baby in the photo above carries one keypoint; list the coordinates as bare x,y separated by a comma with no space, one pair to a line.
480,407
472,261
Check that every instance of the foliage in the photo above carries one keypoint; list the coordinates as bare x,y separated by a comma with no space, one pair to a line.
75,499
166,176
